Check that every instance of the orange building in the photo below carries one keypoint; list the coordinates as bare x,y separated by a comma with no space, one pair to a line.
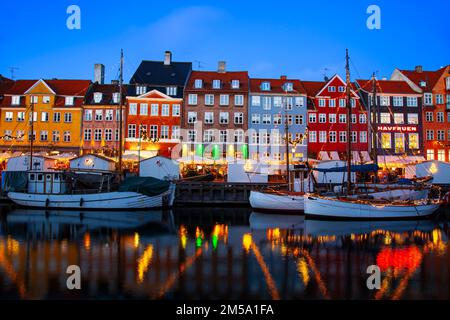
56,106
435,87
153,124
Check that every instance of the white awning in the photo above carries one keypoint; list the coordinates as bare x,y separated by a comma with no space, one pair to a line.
356,157
323,155
334,155
365,156
399,160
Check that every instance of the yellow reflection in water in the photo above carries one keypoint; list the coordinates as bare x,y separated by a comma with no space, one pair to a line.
247,241
302,268
136,240
144,262
12,246
87,241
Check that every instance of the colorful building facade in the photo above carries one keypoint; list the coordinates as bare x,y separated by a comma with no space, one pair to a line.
101,129
153,125
56,109
271,103
327,122
395,120
435,87
215,115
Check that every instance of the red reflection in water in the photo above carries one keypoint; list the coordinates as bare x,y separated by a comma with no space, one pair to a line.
399,259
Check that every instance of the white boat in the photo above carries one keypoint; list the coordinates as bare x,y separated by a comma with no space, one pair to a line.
51,190
347,208
292,202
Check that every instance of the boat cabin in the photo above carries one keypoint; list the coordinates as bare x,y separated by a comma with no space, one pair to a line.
51,182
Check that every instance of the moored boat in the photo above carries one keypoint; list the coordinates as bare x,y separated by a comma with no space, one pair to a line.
285,201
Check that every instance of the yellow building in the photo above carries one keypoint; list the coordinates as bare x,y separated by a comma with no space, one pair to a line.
56,106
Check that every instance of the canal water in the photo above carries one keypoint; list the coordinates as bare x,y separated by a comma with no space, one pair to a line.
218,253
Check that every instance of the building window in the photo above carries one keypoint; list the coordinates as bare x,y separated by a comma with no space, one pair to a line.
441,135
342,103
439,99
428,99
238,118
15,100
430,135
67,117
322,136
153,132
312,136
192,99
108,134
413,118
363,136
385,117
164,132
322,102
9,116
34,99
429,116
20,116
384,101
353,118
209,99
87,134
238,100
332,136
57,116
411,101
299,102
109,115
322,118
140,90
224,100
267,119
87,115
298,119
98,135
440,117
45,117
256,101
116,134
98,115
133,109
70,101
430,154
386,140
266,103
154,110
256,118
277,102
192,135
354,136
131,131
198,83
66,136
342,136
116,96
341,89
441,155
363,118
399,143
312,118
46,99
398,101
342,118
331,118
235,84
98,97
413,141
176,110
265,86
239,136
289,119
216,84
165,110
223,118
332,103
209,118
192,117
44,135
55,136
143,109
171,91
288,86
176,132
447,80
399,118
208,135
331,89
223,136
277,118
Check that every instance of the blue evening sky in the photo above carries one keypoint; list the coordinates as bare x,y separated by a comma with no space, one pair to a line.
268,38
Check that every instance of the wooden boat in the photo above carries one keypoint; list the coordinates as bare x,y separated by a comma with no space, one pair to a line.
277,201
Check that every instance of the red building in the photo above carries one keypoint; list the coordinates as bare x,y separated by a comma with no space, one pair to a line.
435,87
153,123
327,121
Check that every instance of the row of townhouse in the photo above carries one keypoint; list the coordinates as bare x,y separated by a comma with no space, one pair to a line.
171,110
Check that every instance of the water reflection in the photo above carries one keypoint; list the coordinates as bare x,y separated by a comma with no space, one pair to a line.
210,253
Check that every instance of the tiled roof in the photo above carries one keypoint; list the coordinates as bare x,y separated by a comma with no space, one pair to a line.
276,86
107,91
69,87
156,73
387,86
313,87
225,77
430,77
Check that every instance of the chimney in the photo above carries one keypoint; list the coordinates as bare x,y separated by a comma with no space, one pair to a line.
115,82
283,77
167,58
99,73
222,66
384,79
419,69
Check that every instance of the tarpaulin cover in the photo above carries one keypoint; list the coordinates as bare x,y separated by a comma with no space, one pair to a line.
353,168
14,181
145,185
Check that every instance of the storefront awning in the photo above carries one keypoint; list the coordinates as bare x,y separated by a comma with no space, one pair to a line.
396,161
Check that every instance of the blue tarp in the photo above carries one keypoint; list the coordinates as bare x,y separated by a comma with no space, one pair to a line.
353,168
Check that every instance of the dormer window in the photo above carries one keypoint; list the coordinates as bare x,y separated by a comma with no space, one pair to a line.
15,101
198,84
331,89
171,91
288,86
116,97
423,84
216,84
98,97
69,101
448,83
265,86
235,84
141,90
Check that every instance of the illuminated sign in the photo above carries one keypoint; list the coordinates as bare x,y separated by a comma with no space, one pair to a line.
397,129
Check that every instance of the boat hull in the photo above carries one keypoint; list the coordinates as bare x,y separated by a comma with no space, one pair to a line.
271,202
97,201
326,208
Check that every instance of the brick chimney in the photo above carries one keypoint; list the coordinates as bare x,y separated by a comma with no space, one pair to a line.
283,77
419,69
222,66
167,58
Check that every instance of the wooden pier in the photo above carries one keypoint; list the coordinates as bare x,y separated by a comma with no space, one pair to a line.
216,192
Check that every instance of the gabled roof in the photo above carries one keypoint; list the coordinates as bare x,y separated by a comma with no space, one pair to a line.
277,86
156,73
69,87
20,87
225,77
107,91
430,77
387,86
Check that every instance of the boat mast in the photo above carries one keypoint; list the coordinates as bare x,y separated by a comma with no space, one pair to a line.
349,120
120,112
286,136
32,134
374,116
